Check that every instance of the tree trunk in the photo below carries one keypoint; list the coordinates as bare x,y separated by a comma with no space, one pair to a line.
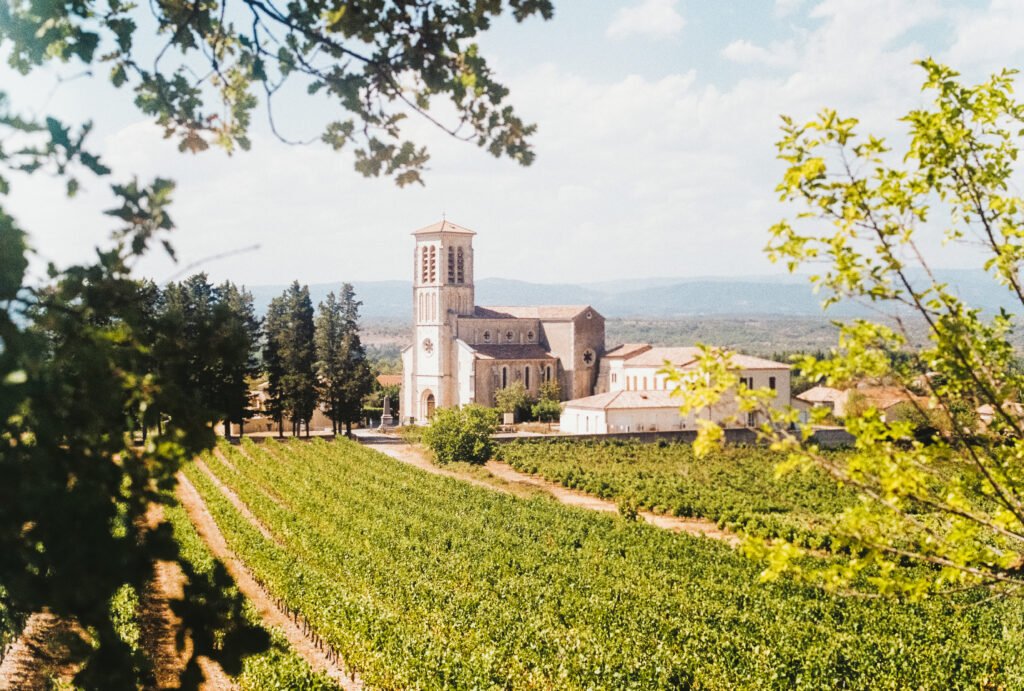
348,428
227,428
280,426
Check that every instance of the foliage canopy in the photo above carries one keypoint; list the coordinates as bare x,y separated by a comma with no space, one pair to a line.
461,434
952,501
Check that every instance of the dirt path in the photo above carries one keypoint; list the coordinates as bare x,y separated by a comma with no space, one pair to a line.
47,649
303,644
509,479
571,497
224,459
160,626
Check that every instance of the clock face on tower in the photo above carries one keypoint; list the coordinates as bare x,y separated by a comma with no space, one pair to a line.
428,346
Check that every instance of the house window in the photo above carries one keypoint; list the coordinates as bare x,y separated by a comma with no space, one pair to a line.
771,383
614,377
460,267
504,377
527,377
751,419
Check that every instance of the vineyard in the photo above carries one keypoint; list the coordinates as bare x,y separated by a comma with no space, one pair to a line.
735,486
419,581
276,668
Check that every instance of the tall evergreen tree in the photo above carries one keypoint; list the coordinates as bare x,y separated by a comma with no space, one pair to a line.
356,376
290,357
239,331
275,329
190,373
330,364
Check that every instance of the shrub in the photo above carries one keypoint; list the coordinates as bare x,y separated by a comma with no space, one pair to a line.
461,434
550,391
629,508
513,399
547,410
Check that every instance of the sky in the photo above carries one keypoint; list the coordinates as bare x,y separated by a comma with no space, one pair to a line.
655,149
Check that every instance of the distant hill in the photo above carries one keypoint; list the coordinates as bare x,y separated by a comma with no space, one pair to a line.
663,298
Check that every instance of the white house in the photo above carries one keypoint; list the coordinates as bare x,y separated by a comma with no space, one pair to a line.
636,397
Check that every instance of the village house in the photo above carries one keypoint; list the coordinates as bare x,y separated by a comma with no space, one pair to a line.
636,396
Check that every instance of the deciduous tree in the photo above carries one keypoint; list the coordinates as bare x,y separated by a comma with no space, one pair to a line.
942,513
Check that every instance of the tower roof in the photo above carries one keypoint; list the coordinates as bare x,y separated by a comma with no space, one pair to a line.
444,226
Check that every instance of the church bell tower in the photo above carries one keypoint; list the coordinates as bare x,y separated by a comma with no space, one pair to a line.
442,291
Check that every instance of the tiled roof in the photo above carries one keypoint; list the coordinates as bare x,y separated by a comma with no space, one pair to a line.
822,394
512,352
626,400
444,227
627,350
656,357
682,356
544,312
389,379
751,362
884,397
489,313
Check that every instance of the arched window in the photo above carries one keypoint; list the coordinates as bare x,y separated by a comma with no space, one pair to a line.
460,267
432,278
487,336
424,262
530,336
547,373
451,265
504,377
509,336
527,377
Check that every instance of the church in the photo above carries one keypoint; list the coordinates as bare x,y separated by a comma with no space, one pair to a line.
463,353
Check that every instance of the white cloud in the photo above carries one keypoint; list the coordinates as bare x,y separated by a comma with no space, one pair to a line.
747,53
655,19
636,176
989,37
784,8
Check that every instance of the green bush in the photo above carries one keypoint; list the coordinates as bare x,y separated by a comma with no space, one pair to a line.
514,399
461,434
547,410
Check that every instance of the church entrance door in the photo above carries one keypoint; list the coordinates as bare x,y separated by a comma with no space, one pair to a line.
428,405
